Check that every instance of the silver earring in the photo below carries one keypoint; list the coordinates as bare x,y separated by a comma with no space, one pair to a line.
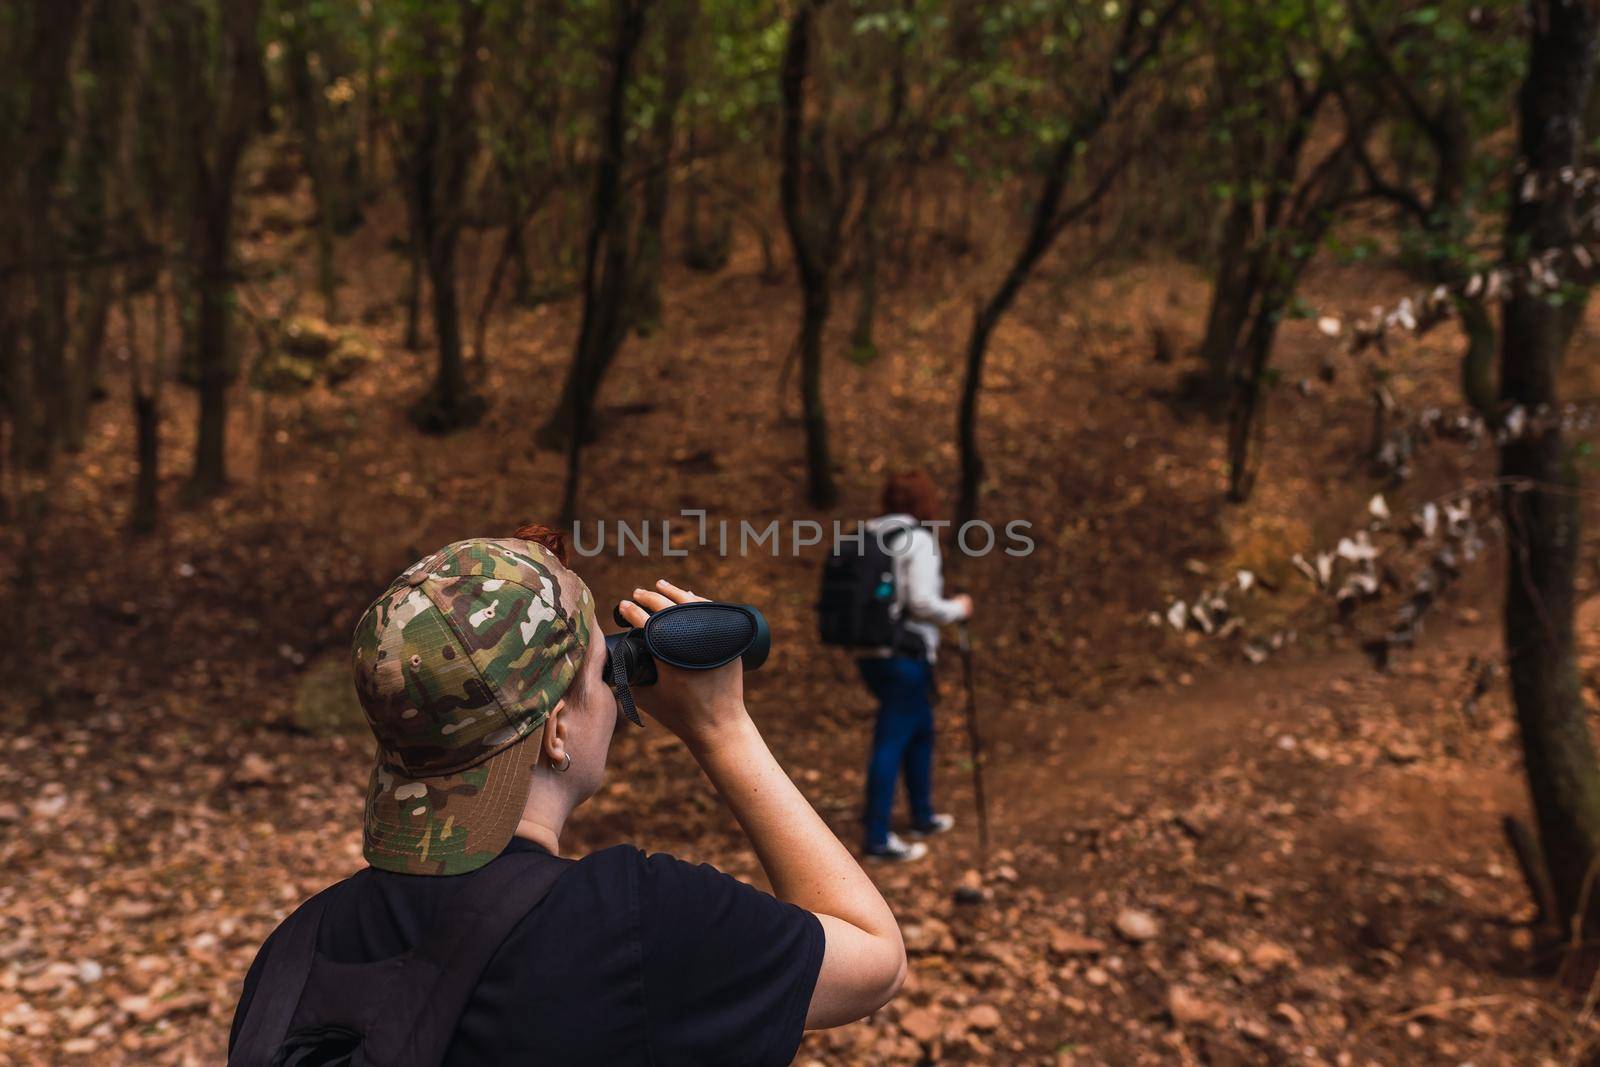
565,765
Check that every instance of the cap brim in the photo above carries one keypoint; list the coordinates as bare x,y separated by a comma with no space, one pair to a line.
448,823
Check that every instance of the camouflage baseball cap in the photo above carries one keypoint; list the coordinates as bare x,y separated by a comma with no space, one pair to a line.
457,664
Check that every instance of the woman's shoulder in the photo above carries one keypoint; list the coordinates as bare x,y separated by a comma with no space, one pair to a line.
630,861
635,861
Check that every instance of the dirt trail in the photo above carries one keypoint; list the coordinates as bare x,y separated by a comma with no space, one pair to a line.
1329,885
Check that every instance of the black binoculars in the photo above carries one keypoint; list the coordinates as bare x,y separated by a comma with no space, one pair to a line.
701,635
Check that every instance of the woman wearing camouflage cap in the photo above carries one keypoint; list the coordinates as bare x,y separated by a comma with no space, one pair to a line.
467,942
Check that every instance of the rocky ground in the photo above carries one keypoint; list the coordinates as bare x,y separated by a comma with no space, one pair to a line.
1195,860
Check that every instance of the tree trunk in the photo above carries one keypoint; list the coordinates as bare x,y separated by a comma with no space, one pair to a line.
145,391
510,248
645,314
983,324
1245,416
1477,363
38,389
411,297
1046,224
445,144
94,303
450,404
708,222
608,279
215,357
146,489
306,96
222,140
813,232
1540,500
1232,293
863,349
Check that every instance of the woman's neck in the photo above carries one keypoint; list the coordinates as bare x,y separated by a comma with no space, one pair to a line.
535,829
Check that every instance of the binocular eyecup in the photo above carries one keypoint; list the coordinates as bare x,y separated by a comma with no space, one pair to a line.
697,636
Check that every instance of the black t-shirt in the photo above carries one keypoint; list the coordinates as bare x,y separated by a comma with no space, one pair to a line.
631,959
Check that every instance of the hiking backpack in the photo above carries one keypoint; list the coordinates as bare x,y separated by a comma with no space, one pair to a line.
859,604
310,1011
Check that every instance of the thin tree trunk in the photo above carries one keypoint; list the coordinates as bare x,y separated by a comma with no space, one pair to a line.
215,357
645,314
608,278
815,247
1048,219
221,144
306,97
1232,293
863,349
450,395
145,391
39,399
411,296
445,147
94,304
1245,416
510,246
1477,363
1540,501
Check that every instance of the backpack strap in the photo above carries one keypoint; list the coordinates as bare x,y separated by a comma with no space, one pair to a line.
896,536
451,959
283,978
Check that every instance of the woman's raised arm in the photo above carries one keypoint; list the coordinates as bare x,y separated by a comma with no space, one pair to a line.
864,963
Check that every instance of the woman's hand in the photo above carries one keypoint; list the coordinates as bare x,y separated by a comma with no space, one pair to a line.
695,705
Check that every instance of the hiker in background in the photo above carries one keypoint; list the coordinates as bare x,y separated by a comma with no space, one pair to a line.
470,941
900,674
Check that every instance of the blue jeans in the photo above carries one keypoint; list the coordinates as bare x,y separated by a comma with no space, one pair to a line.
902,739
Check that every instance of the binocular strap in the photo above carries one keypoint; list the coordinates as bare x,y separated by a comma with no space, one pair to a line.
619,682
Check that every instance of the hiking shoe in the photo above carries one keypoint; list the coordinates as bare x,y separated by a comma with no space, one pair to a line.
895,850
939,824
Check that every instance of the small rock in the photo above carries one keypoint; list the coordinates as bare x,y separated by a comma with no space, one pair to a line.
131,908
1402,751
1221,953
971,890
1136,925
49,807
1196,821
1065,943
1291,1015
921,1023
82,1019
1188,1008
983,1017
1096,976
254,769
1269,955
927,935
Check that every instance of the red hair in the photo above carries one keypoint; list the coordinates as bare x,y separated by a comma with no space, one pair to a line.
913,493
546,536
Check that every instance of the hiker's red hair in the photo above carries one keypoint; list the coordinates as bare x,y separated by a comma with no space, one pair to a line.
547,536
912,493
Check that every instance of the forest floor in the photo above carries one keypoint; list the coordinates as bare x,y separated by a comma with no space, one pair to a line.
1195,860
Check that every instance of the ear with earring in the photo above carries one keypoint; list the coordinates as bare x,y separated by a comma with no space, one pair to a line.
564,766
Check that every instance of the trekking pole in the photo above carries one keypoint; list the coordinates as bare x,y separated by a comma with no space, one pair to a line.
976,744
